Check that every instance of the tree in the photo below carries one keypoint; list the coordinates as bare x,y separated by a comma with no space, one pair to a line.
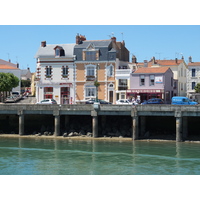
197,88
25,83
7,82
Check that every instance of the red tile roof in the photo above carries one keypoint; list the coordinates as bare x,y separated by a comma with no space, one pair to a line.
7,67
151,70
194,64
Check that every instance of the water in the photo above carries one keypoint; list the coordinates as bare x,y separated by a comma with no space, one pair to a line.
39,156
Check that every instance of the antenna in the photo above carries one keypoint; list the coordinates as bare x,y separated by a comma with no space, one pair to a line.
122,36
112,34
158,54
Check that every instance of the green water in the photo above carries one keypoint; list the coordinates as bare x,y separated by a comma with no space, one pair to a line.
37,156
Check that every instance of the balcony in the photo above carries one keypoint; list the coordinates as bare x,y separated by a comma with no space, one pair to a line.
90,78
122,72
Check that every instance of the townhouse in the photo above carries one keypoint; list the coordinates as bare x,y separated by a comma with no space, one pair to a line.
193,76
100,61
151,82
55,73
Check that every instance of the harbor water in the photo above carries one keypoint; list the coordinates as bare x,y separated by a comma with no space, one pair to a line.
42,156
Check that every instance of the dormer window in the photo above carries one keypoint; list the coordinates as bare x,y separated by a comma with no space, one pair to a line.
59,51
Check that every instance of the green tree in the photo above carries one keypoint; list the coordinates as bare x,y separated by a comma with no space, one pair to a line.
7,82
25,83
197,88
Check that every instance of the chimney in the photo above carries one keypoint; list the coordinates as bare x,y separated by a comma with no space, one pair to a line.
145,63
176,60
153,60
17,65
134,59
190,59
80,39
113,39
43,44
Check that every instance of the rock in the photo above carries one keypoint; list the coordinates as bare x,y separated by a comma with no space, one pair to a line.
71,134
65,135
89,134
46,133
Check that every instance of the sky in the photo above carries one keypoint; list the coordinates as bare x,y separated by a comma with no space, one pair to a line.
19,43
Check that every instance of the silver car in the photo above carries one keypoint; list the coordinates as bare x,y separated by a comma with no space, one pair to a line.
47,101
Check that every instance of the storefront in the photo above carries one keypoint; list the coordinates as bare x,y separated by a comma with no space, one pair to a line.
144,94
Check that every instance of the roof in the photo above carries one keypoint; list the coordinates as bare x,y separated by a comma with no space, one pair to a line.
194,64
48,50
3,62
7,67
152,70
168,62
96,43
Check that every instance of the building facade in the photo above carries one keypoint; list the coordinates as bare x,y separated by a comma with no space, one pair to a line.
55,73
154,82
8,67
179,69
99,60
193,76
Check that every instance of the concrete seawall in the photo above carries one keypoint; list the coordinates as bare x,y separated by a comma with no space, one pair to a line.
137,118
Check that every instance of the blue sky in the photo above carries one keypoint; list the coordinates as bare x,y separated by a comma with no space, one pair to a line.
20,42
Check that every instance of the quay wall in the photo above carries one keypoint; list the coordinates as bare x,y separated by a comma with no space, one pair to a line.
137,122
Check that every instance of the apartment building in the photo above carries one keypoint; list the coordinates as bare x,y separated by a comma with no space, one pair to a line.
55,73
100,60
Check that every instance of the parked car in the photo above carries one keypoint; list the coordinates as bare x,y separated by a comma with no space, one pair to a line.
91,101
47,101
153,101
124,101
182,101
10,99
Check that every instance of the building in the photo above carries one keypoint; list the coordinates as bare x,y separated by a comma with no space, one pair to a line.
151,82
100,61
179,69
8,67
193,76
55,73
26,74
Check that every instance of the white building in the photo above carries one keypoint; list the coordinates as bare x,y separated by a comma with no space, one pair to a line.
8,67
193,76
55,74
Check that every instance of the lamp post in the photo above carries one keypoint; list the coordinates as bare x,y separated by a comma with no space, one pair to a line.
96,83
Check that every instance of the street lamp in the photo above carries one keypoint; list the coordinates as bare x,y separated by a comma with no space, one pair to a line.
96,83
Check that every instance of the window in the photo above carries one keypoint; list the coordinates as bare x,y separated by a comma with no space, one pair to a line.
193,72
193,85
152,78
48,71
110,71
65,71
90,55
122,84
90,91
57,52
142,80
90,71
